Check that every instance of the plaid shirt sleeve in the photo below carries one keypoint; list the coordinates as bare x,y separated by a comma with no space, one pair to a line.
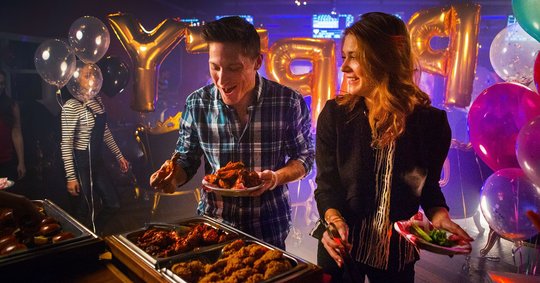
300,145
188,142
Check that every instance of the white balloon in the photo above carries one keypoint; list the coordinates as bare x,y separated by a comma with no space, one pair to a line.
90,39
86,81
512,54
55,62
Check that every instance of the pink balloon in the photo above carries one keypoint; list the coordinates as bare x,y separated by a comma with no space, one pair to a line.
528,150
495,119
506,197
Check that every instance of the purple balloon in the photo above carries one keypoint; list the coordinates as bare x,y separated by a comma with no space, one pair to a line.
506,197
528,150
495,119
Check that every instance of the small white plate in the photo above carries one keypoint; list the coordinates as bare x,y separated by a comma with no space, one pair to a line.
403,228
230,192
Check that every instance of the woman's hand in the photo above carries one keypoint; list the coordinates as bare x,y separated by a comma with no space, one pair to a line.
21,170
336,247
73,187
441,220
124,164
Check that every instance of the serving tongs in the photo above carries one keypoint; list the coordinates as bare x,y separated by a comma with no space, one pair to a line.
349,265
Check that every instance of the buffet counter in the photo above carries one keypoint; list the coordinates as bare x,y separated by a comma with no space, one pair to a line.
183,251
168,265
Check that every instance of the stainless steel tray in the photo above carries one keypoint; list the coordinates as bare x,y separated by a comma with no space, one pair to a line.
83,237
183,226
213,254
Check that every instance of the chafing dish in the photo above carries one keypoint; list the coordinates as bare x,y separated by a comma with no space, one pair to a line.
84,244
182,227
211,256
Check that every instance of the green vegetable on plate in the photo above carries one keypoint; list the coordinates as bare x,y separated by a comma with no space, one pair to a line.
435,236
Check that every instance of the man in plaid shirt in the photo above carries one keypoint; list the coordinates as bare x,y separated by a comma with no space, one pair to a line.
243,117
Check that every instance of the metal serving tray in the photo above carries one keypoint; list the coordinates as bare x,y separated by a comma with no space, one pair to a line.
129,239
209,256
66,248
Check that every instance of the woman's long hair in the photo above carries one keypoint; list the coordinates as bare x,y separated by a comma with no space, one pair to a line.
388,72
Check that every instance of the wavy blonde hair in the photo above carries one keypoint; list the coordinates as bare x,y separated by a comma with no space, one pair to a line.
388,75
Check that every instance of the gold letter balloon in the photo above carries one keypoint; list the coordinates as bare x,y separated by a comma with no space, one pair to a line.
320,83
195,43
147,50
457,62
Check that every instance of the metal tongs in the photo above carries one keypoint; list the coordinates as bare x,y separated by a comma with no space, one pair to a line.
349,265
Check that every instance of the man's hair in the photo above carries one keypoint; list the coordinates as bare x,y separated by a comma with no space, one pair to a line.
234,30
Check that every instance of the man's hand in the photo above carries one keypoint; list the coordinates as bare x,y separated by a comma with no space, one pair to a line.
169,176
269,180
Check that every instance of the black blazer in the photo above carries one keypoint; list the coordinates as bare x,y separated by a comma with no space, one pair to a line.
345,162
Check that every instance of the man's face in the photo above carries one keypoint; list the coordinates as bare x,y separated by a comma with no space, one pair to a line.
232,72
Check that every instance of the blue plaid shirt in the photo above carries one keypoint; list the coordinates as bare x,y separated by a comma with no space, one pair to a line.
278,129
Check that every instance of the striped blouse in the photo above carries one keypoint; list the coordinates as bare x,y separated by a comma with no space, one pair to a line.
77,124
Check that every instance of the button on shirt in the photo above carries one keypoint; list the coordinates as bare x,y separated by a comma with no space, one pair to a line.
278,129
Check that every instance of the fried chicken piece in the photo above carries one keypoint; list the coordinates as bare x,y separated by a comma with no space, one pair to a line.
276,267
241,275
232,247
233,264
223,184
187,272
211,277
217,267
256,250
252,179
249,260
257,277
269,256
210,236
223,237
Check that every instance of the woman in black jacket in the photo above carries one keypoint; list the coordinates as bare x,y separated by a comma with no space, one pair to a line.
380,151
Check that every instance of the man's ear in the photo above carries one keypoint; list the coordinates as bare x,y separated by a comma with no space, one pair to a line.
258,62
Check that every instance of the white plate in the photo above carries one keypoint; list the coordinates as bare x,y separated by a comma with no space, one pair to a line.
8,184
403,228
230,192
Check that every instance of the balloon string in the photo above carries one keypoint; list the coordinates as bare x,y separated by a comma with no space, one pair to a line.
516,205
461,185
535,265
59,98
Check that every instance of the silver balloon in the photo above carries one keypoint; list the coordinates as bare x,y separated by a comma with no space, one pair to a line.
86,81
90,39
55,62
506,197
512,54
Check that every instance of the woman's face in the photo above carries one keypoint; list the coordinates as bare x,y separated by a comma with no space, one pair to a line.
352,73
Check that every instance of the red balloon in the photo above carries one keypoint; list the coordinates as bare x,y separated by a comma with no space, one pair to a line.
495,119
537,72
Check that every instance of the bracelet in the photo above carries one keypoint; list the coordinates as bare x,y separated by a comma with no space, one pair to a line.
275,179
